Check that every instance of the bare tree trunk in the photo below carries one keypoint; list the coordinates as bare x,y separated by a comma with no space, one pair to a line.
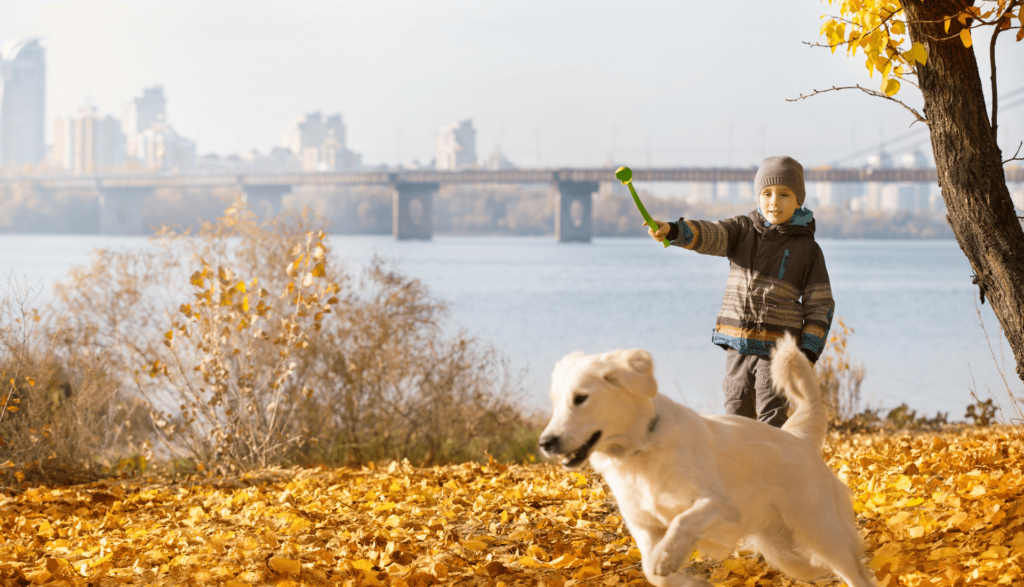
969,165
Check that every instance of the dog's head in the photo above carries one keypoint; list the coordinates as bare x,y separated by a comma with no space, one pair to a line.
602,403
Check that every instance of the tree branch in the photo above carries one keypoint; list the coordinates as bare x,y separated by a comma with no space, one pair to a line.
850,22
992,60
916,114
995,92
1015,157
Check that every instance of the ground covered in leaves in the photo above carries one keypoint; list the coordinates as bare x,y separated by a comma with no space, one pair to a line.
936,509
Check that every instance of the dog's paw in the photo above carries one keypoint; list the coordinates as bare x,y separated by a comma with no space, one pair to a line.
665,561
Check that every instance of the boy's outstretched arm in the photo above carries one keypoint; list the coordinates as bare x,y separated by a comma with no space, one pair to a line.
701,236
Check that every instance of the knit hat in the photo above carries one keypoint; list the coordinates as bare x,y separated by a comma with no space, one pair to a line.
785,171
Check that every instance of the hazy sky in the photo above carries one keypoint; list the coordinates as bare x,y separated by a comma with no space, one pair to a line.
554,82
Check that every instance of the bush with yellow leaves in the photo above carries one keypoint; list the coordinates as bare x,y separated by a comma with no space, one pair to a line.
252,347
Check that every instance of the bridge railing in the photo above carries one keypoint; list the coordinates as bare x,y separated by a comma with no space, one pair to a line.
385,177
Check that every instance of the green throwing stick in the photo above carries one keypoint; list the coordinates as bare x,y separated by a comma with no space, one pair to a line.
625,175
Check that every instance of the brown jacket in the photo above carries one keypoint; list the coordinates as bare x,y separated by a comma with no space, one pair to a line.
777,280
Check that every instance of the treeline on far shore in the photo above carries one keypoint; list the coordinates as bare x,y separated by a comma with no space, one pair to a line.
472,209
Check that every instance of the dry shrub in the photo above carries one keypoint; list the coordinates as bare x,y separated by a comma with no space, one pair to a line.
61,411
252,347
840,376
401,388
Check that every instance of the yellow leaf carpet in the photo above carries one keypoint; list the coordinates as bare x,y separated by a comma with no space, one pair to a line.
936,510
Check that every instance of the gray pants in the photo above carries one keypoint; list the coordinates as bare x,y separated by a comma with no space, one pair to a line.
748,389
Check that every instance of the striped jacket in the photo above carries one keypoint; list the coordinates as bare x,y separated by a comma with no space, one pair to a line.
777,280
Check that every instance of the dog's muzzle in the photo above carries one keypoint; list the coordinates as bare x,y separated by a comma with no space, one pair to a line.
552,446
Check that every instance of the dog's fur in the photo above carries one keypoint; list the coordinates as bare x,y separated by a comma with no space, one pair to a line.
685,481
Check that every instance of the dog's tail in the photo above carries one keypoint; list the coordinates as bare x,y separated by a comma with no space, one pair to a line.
793,373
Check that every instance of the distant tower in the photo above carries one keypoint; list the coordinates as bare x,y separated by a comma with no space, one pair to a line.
88,143
319,142
311,130
911,195
147,108
880,160
456,146
141,113
497,161
22,103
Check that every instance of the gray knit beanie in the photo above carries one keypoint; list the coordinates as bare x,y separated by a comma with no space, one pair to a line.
785,171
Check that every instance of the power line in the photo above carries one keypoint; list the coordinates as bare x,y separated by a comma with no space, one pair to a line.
1013,93
869,150
918,131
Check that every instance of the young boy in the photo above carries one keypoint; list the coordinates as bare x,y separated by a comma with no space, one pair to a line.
777,284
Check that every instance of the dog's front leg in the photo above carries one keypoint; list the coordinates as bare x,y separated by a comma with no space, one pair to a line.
675,548
647,538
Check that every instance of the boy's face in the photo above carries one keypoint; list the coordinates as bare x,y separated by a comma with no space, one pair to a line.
778,203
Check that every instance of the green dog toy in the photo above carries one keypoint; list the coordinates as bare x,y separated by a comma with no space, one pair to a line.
625,175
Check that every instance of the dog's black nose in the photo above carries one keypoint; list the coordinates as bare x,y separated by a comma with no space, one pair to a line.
549,444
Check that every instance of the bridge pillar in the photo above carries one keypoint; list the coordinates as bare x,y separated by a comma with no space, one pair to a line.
121,210
574,211
265,200
413,211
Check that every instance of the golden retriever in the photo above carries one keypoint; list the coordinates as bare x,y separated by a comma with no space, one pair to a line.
712,483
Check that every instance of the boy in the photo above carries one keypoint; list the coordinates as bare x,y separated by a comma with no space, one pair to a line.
777,283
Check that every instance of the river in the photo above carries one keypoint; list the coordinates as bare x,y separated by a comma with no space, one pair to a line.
910,303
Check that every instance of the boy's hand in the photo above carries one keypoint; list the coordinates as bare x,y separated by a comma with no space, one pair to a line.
661,233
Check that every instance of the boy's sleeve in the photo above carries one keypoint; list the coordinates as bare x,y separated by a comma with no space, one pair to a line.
705,237
818,308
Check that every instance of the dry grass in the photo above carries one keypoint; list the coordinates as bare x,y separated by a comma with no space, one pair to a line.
62,414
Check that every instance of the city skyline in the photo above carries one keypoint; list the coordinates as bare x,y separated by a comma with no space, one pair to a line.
568,84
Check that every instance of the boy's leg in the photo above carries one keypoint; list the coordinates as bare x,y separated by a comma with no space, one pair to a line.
739,384
772,405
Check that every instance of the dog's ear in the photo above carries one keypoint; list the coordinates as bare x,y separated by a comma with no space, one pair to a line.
632,370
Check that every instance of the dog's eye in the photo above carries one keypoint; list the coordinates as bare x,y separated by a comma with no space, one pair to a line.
579,399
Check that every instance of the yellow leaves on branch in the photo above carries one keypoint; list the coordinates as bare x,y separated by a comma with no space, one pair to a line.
878,28
965,36
890,87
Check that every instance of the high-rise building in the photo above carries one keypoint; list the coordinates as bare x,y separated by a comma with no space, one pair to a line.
161,149
497,161
702,192
838,194
910,195
88,143
456,146
319,142
22,103
873,197
146,108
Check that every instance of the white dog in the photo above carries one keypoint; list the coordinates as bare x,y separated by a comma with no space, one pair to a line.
685,481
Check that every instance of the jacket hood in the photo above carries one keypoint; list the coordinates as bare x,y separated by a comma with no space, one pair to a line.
802,223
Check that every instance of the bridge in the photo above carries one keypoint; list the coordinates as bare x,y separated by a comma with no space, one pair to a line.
120,197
